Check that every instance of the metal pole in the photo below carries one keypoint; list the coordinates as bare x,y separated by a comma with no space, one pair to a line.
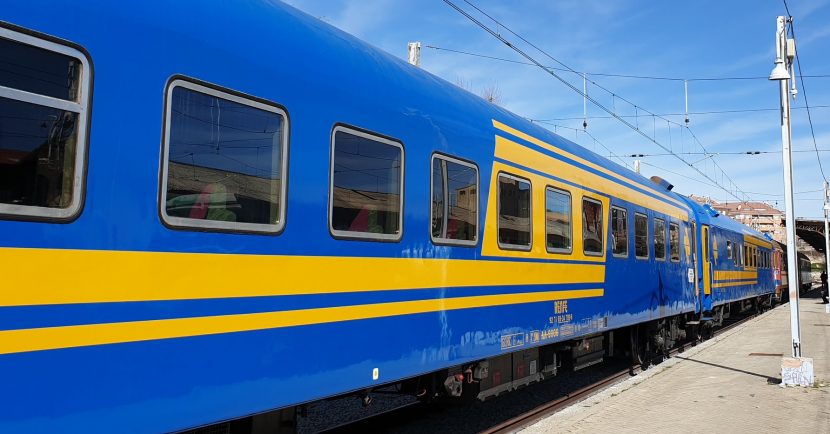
686,97
786,138
826,232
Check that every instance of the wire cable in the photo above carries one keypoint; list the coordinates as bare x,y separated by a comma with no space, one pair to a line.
605,74
590,98
804,91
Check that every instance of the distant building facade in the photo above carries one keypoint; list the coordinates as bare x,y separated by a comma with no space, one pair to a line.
757,215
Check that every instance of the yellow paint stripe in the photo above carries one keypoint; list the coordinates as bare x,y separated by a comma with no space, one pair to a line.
489,245
548,146
727,284
522,155
752,240
94,276
17,341
732,275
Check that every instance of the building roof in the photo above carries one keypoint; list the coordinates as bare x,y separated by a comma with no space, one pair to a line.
732,208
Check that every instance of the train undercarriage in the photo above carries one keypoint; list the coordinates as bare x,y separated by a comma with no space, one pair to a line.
641,345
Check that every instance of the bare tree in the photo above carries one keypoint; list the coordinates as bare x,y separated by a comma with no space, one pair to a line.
492,94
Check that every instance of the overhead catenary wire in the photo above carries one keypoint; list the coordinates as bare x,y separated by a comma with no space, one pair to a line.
605,74
636,129
804,92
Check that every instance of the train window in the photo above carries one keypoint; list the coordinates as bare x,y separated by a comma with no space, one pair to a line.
744,256
659,239
641,236
728,249
619,231
454,202
44,99
366,195
591,226
674,242
224,160
514,212
557,221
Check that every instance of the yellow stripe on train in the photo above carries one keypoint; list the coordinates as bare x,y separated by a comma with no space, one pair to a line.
548,146
511,151
17,341
95,276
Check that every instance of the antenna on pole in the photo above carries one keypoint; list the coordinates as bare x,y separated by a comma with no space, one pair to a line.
686,97
415,53
584,102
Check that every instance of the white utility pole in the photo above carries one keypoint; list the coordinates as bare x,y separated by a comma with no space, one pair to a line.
415,53
784,53
826,232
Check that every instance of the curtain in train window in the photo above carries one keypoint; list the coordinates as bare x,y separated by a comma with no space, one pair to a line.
557,221
619,231
514,212
591,226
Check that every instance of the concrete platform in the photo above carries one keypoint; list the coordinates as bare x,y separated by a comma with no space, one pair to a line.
718,386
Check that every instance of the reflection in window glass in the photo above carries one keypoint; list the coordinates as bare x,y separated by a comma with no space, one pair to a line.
39,71
591,226
641,236
454,218
619,231
674,242
367,185
38,145
224,160
659,239
438,198
729,250
557,220
514,212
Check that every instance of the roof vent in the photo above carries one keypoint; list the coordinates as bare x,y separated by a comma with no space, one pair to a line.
712,212
662,182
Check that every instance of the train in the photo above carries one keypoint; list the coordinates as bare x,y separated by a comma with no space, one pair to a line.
779,261
224,211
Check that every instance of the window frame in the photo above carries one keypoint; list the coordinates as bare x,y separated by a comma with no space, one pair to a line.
601,251
648,247
441,241
654,238
679,254
365,236
559,251
517,247
81,106
184,223
627,250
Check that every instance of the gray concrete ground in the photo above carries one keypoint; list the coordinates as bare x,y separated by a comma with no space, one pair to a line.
718,386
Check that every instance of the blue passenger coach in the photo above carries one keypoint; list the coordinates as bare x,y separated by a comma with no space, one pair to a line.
214,210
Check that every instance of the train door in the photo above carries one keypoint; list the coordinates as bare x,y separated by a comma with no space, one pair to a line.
707,264
693,242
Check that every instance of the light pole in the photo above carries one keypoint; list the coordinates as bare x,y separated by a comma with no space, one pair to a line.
784,53
826,233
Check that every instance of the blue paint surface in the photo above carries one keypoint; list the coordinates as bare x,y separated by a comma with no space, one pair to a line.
322,77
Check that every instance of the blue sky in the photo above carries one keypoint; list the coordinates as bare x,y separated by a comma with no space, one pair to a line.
644,38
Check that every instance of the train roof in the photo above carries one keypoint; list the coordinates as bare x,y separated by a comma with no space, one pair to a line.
707,215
